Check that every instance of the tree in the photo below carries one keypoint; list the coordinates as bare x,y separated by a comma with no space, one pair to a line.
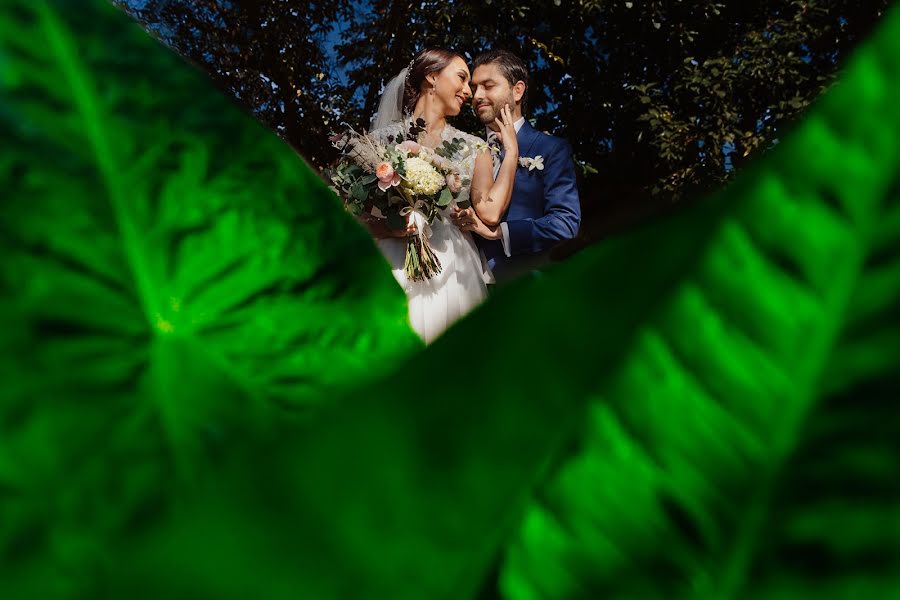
271,55
661,100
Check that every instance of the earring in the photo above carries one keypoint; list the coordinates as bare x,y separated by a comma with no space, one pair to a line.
433,87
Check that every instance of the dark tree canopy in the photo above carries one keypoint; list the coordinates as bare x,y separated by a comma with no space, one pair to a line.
270,54
660,100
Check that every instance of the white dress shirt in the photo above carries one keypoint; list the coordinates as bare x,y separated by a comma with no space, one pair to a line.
504,228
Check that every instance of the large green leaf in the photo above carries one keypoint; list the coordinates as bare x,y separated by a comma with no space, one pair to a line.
171,272
749,444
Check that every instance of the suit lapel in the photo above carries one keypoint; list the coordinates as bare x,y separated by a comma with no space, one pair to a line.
526,137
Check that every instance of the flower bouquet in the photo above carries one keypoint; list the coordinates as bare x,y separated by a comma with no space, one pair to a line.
394,177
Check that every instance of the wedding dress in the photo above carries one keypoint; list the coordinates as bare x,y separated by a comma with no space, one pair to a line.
436,303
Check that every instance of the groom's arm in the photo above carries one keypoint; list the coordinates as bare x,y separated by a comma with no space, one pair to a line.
562,209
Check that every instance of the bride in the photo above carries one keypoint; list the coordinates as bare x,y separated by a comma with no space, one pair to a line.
434,87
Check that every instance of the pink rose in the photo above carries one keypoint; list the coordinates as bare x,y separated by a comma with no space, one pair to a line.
410,146
454,183
386,175
384,172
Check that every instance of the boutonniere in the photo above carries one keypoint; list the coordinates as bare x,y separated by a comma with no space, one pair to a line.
532,163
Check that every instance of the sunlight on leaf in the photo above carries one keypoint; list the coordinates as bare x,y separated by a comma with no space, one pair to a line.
171,273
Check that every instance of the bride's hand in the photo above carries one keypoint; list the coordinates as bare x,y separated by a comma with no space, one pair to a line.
507,126
467,220
380,230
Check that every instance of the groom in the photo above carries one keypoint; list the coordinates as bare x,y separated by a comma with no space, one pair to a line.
544,209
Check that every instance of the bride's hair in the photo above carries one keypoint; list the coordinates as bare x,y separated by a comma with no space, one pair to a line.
426,62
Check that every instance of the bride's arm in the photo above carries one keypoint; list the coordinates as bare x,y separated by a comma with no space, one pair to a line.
491,198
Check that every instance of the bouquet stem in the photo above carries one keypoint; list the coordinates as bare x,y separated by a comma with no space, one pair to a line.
421,262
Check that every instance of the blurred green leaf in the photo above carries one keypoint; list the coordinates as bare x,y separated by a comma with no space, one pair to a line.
749,444
172,273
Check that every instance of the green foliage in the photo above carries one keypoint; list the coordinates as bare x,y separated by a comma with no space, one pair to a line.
650,94
171,274
271,55
450,148
740,97
445,198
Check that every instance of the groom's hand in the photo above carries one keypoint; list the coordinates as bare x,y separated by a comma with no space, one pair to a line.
467,220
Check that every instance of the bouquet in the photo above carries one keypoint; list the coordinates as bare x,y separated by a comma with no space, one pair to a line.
394,177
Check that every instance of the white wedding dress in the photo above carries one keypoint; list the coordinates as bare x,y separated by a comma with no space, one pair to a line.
436,303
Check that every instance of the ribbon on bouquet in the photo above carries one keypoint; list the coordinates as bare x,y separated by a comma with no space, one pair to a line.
421,262
419,218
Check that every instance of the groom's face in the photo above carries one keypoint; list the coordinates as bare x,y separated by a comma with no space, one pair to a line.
492,92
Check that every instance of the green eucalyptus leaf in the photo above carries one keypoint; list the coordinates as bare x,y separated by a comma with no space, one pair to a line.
445,198
359,192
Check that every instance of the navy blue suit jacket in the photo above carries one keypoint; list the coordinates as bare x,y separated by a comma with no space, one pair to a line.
544,209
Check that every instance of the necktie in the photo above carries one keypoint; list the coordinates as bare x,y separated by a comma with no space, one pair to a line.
493,140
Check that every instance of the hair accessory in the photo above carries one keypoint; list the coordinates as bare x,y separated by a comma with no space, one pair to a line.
409,67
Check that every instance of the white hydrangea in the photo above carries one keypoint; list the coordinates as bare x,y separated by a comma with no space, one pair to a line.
422,178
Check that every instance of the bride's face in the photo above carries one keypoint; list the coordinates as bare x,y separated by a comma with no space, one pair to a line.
451,86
